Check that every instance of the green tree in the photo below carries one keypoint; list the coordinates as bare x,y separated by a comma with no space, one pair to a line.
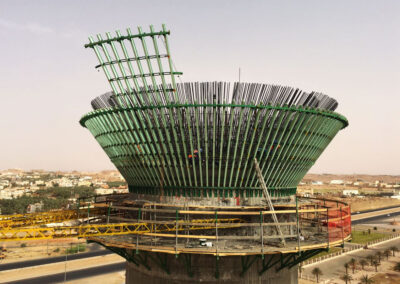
346,266
387,253
394,250
317,273
397,266
346,278
363,263
376,263
353,264
379,255
366,280
371,259
115,183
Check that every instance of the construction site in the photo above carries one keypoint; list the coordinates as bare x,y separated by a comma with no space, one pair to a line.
212,170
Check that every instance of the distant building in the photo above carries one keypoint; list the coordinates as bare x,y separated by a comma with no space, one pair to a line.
62,182
84,183
350,192
317,182
121,190
40,183
86,178
34,188
337,181
4,184
36,207
307,192
5,194
102,191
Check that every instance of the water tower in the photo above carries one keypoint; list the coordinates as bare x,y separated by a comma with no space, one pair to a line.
212,168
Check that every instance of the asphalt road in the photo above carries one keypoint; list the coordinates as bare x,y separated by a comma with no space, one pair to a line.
41,261
373,210
384,213
73,275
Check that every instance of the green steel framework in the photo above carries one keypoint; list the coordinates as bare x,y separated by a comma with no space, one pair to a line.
200,139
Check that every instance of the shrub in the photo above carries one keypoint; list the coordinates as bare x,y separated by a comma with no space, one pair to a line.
75,249
23,245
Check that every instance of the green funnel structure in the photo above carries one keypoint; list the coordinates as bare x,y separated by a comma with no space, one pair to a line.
199,139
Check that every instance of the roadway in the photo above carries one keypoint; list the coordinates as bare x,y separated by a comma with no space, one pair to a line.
73,275
334,268
49,260
372,215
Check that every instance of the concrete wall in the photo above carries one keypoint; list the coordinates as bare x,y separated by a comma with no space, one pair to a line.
222,201
204,267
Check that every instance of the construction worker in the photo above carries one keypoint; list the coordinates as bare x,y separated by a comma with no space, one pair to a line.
196,155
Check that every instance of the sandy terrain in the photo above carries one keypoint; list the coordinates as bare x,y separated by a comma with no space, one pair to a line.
391,277
37,249
354,177
358,204
111,278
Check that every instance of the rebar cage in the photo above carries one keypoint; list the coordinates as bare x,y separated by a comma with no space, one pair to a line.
200,139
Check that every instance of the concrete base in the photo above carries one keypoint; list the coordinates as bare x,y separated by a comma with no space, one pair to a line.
204,271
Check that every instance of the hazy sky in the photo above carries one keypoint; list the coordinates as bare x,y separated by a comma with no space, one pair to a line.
346,49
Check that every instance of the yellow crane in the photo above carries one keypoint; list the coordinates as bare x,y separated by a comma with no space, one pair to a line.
19,227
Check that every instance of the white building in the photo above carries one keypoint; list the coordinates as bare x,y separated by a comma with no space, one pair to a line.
34,188
101,191
36,207
337,181
62,182
39,183
84,183
350,192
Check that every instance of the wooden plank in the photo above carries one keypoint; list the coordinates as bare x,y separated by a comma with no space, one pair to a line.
198,212
234,225
208,237
210,251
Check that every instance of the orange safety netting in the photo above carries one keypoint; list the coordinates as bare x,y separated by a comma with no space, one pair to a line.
339,223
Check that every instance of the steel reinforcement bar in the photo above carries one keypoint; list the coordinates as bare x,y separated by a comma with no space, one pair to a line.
196,139
286,140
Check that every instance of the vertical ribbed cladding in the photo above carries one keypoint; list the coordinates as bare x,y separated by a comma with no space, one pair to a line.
201,138
220,131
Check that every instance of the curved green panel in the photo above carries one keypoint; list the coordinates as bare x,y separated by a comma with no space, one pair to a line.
221,142
200,139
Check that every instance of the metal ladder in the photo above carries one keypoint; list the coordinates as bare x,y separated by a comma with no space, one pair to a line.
268,198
